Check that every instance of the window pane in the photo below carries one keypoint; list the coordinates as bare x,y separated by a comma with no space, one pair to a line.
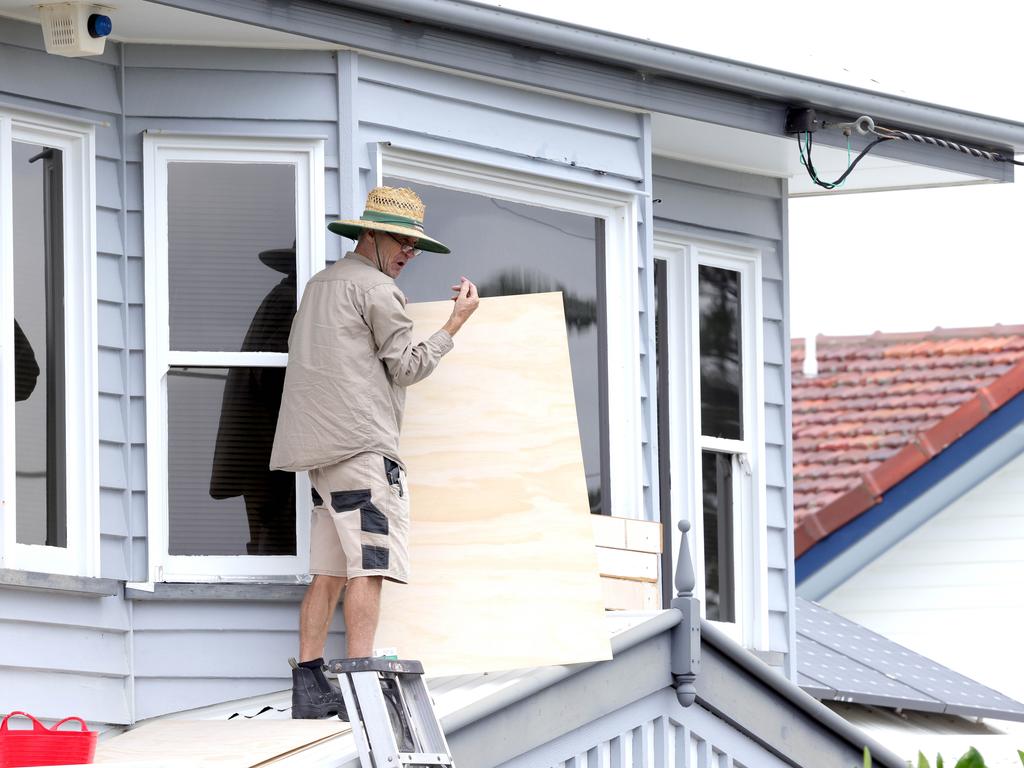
661,360
39,345
507,249
719,565
231,234
222,498
721,391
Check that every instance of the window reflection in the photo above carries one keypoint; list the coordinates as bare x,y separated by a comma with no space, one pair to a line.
508,249
720,375
38,191
223,499
719,597
220,215
232,289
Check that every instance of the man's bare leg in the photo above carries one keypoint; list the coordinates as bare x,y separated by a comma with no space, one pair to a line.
362,610
315,616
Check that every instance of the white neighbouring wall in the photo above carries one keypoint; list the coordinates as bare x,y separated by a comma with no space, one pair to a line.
953,590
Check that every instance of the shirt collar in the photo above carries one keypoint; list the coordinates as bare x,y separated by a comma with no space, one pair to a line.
363,259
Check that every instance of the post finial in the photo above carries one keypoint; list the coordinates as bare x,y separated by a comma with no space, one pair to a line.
685,580
686,640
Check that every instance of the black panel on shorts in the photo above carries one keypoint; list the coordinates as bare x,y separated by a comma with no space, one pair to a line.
372,520
375,558
345,501
317,498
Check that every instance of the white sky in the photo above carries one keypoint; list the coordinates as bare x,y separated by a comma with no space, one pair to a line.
889,261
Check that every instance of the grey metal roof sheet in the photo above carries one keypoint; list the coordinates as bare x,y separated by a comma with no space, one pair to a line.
845,661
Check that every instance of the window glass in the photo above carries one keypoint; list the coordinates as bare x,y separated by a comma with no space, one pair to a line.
232,272
721,382
230,227
39,345
719,565
222,498
510,248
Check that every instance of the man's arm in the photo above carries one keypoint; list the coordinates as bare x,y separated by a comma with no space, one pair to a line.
391,327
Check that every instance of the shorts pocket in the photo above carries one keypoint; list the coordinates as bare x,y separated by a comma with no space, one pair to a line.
346,501
375,558
372,520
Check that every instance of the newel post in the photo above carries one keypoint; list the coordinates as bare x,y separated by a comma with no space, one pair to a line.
686,641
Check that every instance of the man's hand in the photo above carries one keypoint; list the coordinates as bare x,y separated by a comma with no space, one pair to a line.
466,301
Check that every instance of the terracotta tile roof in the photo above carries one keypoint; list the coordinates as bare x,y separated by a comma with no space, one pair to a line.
883,405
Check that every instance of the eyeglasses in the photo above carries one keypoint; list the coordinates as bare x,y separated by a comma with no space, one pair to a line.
406,247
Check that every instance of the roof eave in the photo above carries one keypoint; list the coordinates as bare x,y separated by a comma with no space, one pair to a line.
655,58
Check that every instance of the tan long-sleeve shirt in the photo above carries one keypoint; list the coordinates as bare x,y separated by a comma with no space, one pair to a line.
350,358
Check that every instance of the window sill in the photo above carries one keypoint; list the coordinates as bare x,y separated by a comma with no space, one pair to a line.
83,586
257,592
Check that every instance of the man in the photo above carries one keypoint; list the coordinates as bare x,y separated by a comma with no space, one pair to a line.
350,358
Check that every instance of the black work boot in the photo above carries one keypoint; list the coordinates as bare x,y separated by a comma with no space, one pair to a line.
313,696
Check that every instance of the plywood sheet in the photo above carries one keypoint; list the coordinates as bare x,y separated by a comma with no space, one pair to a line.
221,743
504,572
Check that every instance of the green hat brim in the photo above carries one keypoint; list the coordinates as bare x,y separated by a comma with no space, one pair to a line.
352,229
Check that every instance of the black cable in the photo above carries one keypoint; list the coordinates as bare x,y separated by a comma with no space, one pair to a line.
808,163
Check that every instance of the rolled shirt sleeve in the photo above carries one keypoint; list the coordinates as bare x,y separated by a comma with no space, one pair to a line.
391,327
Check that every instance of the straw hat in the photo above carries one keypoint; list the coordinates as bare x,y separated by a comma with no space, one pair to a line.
395,210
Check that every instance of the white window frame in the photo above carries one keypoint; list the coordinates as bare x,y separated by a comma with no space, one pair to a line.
683,256
620,212
76,141
307,156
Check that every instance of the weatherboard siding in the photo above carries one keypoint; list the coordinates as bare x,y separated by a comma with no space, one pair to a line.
193,652
748,210
51,640
150,657
951,589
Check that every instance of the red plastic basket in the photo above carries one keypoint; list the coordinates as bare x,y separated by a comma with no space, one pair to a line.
45,746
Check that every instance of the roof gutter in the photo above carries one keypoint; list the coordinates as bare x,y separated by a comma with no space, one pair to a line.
648,57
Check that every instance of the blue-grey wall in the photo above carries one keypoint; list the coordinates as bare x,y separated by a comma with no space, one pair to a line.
190,651
750,210
122,660
52,642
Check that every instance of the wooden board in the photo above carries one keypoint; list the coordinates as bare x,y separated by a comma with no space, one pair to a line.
628,595
609,531
222,743
504,572
624,564
626,533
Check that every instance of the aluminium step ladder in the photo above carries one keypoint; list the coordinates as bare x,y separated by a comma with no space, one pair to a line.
392,716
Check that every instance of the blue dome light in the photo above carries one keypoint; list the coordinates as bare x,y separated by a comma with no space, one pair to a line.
99,25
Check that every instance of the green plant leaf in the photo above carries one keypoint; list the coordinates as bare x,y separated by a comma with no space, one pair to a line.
1020,754
922,761
938,761
971,759
867,757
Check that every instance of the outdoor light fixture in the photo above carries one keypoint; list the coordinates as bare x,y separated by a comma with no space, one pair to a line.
75,29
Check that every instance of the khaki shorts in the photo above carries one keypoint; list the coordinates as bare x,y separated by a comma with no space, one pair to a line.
360,519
